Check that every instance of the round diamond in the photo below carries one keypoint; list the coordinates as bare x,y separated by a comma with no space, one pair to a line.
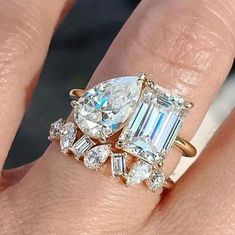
102,110
95,157
156,180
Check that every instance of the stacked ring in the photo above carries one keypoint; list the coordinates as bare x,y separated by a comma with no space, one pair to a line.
130,120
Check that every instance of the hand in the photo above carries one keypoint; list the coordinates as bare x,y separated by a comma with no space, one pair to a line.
186,45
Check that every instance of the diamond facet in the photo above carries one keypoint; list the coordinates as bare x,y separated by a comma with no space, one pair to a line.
153,126
96,156
118,164
68,136
56,128
139,171
81,146
156,180
102,110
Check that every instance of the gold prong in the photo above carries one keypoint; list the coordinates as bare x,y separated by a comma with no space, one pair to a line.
149,83
160,164
119,144
142,77
189,105
102,138
74,103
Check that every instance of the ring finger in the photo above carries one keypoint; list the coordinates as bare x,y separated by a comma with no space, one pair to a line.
181,44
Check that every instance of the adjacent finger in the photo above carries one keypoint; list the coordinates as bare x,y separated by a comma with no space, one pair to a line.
25,31
203,200
13,176
182,44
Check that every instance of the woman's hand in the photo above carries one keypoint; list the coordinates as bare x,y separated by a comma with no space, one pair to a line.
186,45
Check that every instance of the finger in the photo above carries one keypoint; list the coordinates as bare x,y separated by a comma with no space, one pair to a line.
26,29
13,176
181,43
203,200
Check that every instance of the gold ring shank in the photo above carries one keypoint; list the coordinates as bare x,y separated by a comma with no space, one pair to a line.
76,93
186,147
170,184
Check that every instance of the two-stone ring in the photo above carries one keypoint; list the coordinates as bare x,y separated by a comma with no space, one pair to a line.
130,122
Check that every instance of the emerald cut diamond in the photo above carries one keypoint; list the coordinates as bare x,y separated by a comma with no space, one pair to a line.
153,126
103,109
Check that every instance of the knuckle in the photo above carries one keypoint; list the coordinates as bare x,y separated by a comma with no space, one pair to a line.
18,34
21,40
185,44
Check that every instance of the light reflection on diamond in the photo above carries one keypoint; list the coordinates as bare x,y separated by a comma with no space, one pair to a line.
153,127
102,110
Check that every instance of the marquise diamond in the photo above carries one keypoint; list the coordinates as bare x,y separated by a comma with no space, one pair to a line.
103,109
96,156
68,136
139,171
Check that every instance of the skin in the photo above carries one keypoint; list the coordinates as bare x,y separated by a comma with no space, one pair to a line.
184,45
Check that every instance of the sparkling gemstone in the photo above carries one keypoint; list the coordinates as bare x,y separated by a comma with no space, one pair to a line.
153,126
81,146
139,171
68,136
96,156
103,109
118,164
156,180
56,128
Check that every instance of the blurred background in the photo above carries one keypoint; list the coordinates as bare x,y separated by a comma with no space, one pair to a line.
76,49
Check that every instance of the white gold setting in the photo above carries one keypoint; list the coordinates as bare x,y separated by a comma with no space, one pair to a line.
130,120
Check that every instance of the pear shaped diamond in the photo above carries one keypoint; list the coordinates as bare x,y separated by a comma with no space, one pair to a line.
139,171
56,129
103,109
95,157
68,136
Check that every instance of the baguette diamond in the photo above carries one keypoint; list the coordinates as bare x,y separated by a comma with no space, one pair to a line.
81,146
68,136
153,127
118,164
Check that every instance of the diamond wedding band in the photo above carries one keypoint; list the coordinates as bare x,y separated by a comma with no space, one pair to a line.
129,122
